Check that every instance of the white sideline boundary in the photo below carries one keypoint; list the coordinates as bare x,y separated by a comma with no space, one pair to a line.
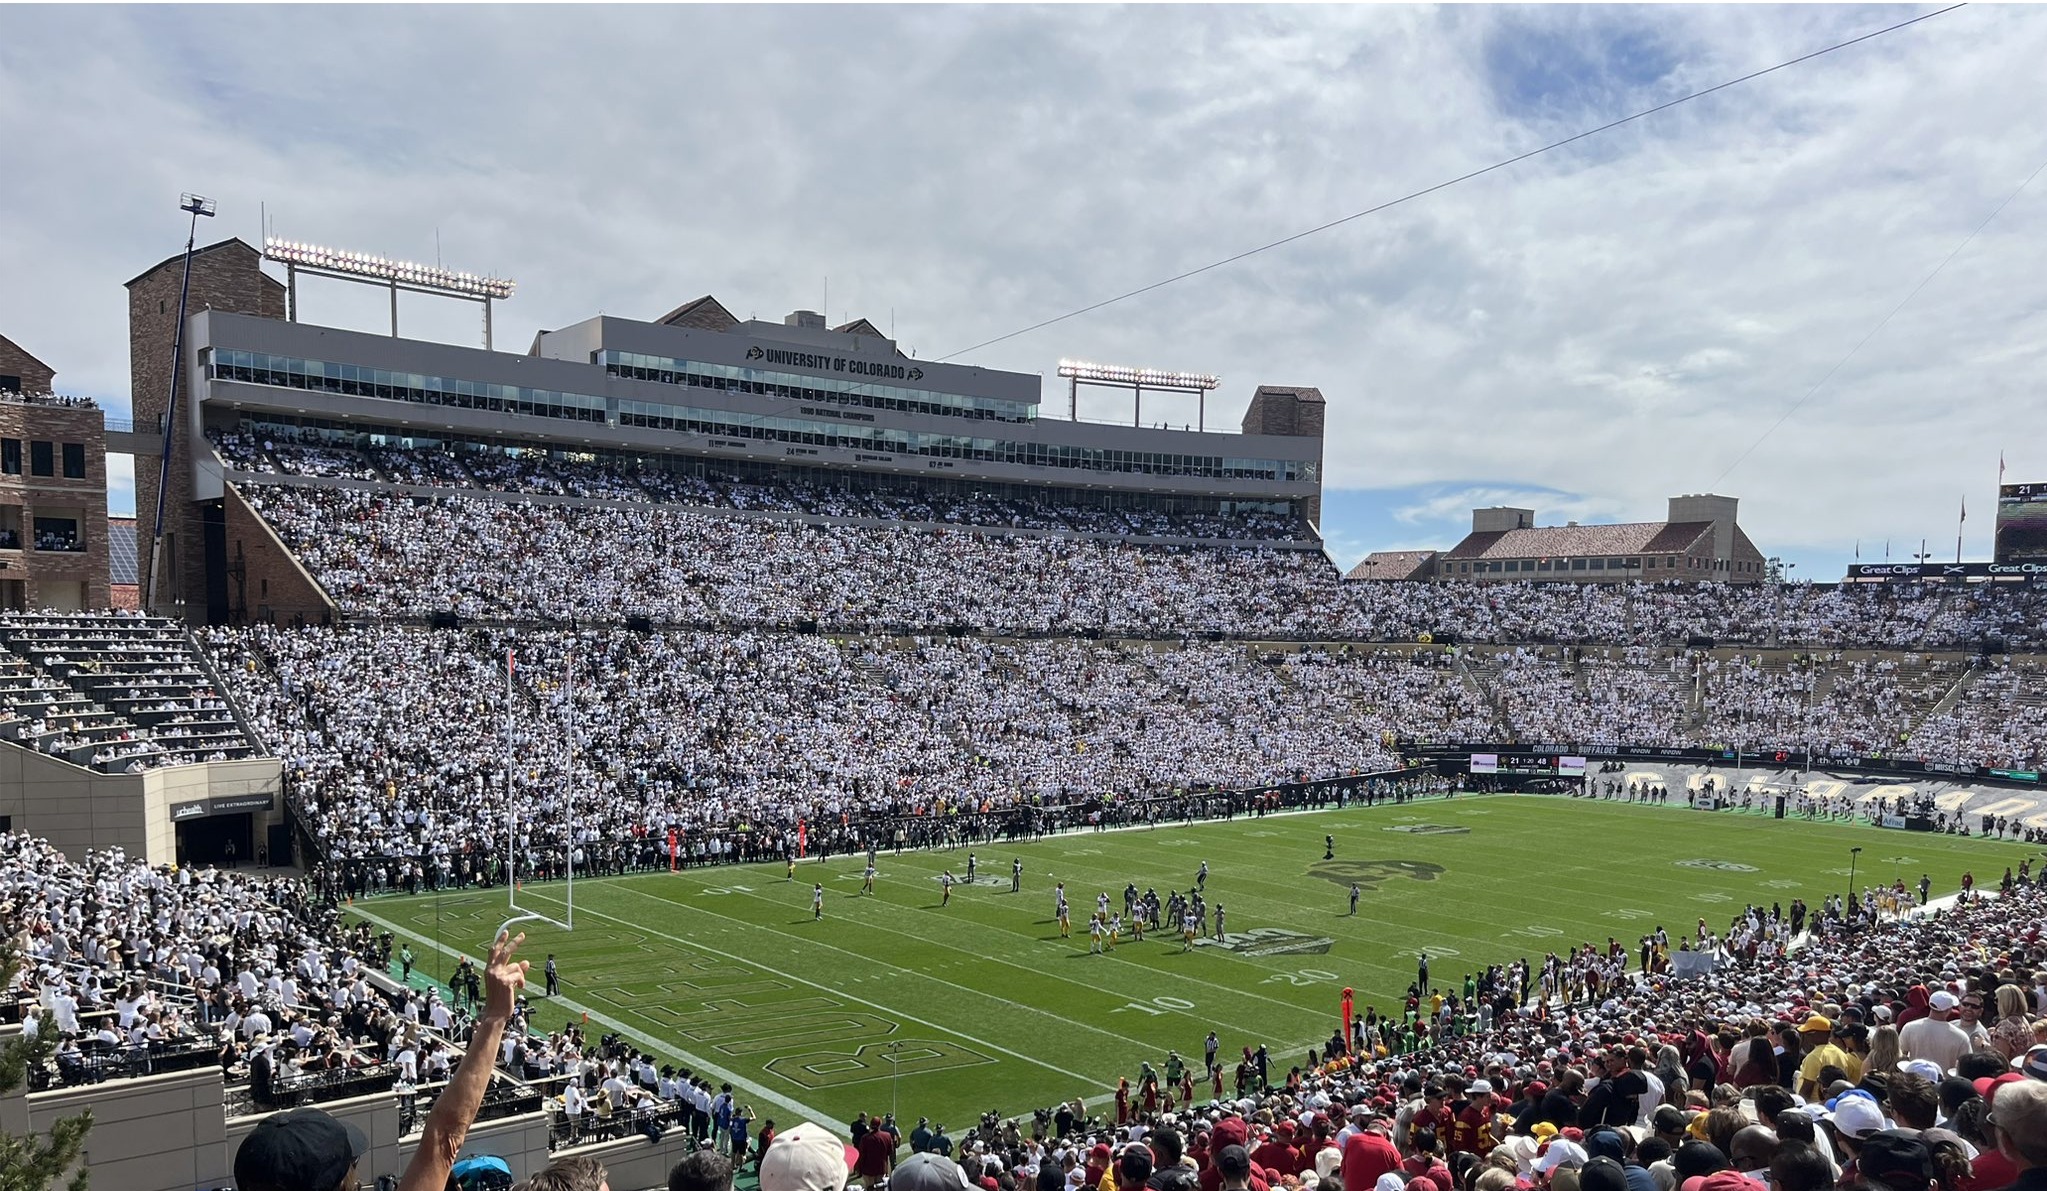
803,1111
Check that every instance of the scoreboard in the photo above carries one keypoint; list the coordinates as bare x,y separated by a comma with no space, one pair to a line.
2021,523
1528,764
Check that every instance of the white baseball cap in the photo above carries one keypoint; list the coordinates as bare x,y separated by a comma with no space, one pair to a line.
1854,1115
806,1158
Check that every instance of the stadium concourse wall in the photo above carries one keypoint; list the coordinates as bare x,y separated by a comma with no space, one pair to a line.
76,808
178,1131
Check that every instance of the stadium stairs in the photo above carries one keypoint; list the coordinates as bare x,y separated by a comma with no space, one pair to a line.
1484,692
121,677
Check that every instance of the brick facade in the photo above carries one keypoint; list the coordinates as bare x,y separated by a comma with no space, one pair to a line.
225,276
264,583
32,576
1280,409
1297,413
21,372
1699,542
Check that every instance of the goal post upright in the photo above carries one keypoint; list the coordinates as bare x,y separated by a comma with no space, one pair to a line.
517,912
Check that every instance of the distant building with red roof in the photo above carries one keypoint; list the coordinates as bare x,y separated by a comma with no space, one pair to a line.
1698,541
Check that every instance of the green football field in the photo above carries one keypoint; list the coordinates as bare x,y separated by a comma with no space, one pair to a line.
724,971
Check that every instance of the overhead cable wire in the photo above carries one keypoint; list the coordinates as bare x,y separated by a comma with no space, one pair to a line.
1445,185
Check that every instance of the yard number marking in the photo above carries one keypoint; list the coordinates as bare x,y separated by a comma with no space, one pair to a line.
1157,1007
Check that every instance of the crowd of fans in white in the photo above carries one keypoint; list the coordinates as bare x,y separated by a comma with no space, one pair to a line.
126,963
728,720
661,549
381,554
396,737
282,452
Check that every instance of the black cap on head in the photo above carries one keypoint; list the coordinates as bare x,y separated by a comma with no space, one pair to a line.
1133,1165
301,1150
1697,1158
1897,1158
1233,1162
1602,1174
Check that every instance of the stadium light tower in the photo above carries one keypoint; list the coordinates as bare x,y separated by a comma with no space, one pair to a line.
196,206
380,271
1137,380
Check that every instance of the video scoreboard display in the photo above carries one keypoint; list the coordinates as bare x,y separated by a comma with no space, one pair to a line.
1528,764
2022,523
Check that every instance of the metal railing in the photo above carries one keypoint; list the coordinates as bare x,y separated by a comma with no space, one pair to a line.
94,1062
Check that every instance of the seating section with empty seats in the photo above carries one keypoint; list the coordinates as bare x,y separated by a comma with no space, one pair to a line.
118,693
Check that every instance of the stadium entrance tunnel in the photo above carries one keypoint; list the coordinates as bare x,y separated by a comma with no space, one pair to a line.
206,840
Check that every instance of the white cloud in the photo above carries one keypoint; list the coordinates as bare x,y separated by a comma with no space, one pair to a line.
1453,507
1618,320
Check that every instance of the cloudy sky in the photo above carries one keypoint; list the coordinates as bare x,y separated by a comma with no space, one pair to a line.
1585,333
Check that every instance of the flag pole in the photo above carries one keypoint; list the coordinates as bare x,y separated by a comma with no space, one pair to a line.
1958,530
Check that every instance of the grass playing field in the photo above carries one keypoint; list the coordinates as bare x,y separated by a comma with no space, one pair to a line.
724,971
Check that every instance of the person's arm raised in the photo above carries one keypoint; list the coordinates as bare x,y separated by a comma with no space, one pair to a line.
448,1124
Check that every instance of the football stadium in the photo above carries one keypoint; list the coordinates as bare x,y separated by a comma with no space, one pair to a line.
692,751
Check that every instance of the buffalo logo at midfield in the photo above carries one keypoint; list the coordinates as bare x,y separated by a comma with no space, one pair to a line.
1370,874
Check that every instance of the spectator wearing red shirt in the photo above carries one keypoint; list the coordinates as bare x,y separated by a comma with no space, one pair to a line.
1317,1141
1367,1155
876,1152
1232,1131
1472,1134
1278,1153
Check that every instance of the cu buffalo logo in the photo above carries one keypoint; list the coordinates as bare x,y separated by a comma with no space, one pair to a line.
754,353
916,374
1428,829
1721,866
1370,874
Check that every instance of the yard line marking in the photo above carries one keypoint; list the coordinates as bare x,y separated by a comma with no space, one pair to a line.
926,974
739,959
1103,1098
1146,968
737,1080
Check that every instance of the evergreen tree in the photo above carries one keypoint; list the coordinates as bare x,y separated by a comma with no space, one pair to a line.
34,1162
